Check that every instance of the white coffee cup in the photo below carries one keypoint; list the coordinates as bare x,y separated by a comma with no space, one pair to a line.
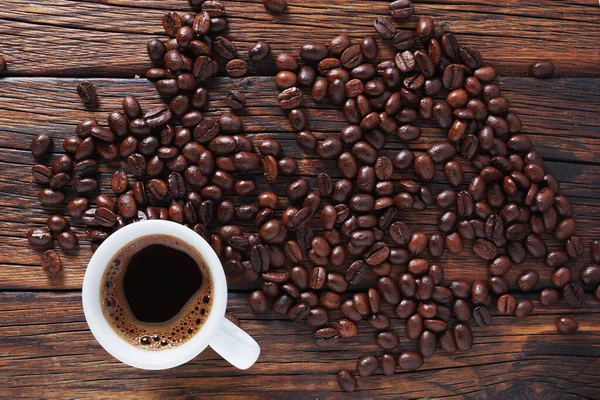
222,335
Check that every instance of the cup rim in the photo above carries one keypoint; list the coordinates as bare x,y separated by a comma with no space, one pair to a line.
109,339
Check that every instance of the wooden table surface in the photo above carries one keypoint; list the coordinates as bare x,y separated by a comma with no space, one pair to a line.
46,348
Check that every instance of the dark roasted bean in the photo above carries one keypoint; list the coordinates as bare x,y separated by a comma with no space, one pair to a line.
542,69
566,325
574,294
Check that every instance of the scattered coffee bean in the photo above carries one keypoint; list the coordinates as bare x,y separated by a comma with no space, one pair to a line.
51,263
347,381
566,325
87,93
275,6
542,69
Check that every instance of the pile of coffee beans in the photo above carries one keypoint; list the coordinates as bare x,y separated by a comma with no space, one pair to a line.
200,171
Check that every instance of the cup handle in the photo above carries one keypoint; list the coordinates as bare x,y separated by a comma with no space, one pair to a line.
235,346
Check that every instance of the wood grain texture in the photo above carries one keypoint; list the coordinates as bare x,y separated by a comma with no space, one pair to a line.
108,37
47,348
556,113
44,354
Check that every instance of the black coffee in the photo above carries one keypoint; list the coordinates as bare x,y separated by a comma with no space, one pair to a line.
157,292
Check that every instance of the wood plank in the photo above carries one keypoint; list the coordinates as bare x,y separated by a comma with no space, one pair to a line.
558,114
551,110
53,354
108,38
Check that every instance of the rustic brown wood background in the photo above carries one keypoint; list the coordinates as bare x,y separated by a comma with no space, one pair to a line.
46,349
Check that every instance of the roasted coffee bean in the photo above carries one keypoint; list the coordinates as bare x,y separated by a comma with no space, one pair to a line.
447,342
403,40
410,360
500,266
385,28
41,145
330,300
406,308
454,173
377,253
506,304
574,294
387,340
427,344
556,258
517,253
561,277
482,316
63,164
366,366
59,180
282,306
549,297
409,133
454,243
524,308
485,249
171,22
498,285
67,240
50,261
317,317
463,336
388,290
447,222
275,6
401,9
87,93
225,48
285,80
453,77
57,223
137,164
480,292
441,151
345,328
105,217
542,69
388,364
346,381
424,167
50,197
259,52
41,173
76,207
120,182
156,49
336,282
424,63
566,325
470,56
574,247
590,275
527,280
414,327
39,237
361,303
356,272
349,311
535,246
442,113
290,98
462,310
